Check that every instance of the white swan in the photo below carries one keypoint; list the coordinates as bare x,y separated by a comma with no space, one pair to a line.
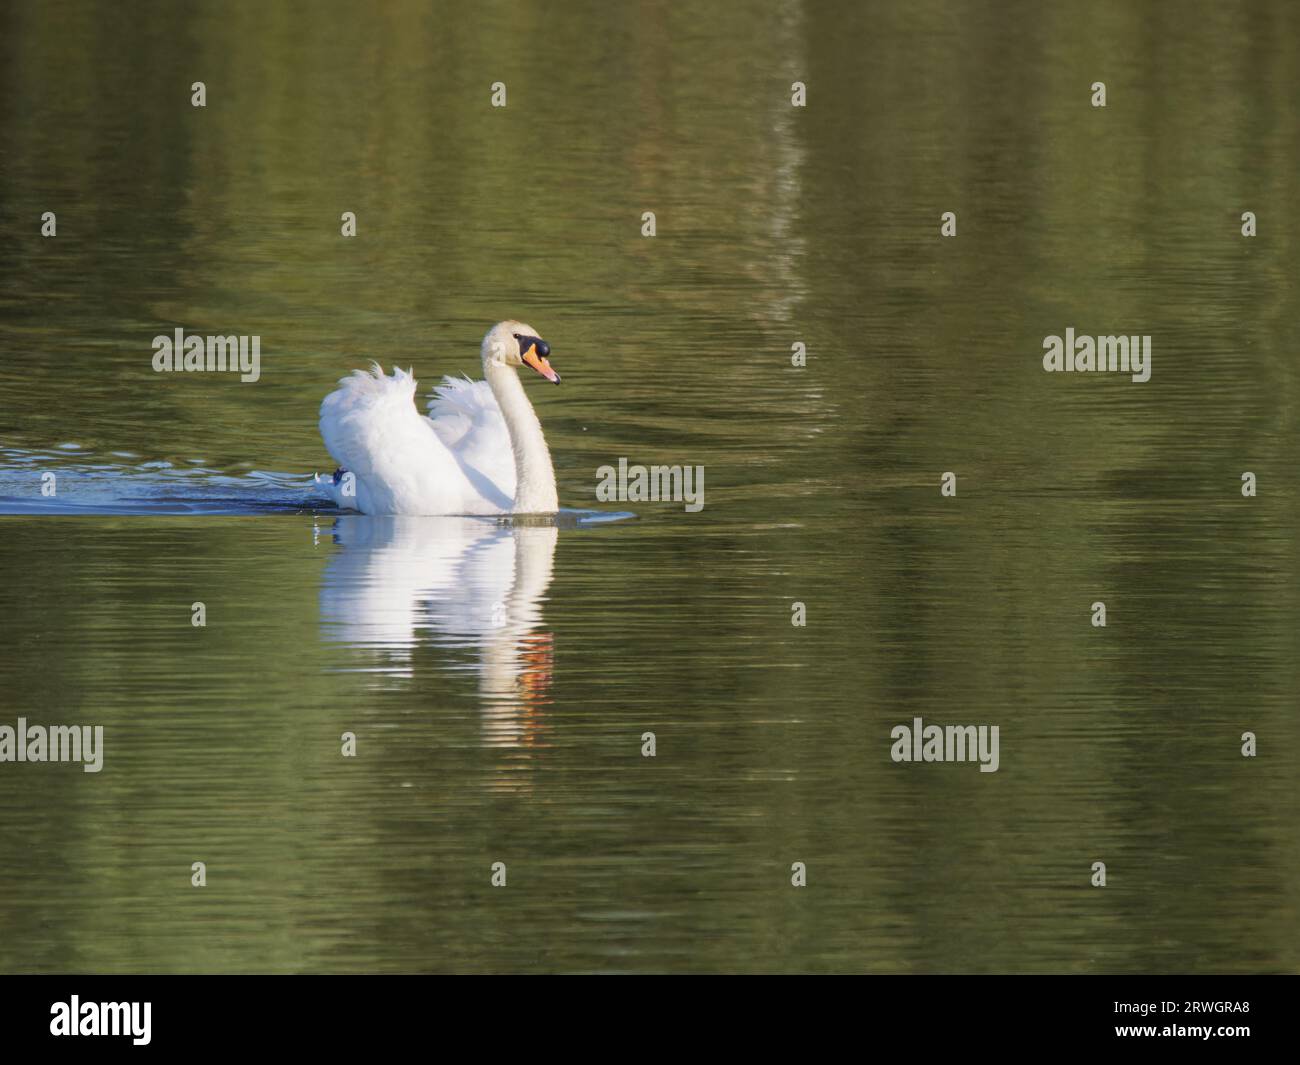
479,451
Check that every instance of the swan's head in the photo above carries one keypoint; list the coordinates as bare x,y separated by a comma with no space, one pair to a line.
512,343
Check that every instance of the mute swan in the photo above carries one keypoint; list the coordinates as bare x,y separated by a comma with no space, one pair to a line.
479,451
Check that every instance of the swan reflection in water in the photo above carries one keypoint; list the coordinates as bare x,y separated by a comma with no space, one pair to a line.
470,583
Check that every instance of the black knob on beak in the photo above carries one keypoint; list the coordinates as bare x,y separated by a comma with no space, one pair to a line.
543,348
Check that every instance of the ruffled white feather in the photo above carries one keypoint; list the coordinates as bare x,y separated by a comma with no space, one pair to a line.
457,462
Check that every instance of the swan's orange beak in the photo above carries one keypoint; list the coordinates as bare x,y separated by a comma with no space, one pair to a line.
533,350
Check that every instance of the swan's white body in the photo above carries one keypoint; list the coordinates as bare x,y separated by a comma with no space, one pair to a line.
480,450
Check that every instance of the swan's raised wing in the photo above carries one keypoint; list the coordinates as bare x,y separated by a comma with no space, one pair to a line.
467,419
372,428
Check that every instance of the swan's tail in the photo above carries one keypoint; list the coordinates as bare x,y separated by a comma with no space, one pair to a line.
367,422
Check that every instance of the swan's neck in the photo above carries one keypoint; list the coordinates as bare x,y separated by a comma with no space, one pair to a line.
534,476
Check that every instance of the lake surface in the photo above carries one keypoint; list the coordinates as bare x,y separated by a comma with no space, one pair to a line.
499,677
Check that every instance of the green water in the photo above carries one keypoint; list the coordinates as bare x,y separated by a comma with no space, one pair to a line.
515,736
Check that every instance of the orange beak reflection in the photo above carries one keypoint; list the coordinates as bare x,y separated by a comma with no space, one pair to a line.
537,360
